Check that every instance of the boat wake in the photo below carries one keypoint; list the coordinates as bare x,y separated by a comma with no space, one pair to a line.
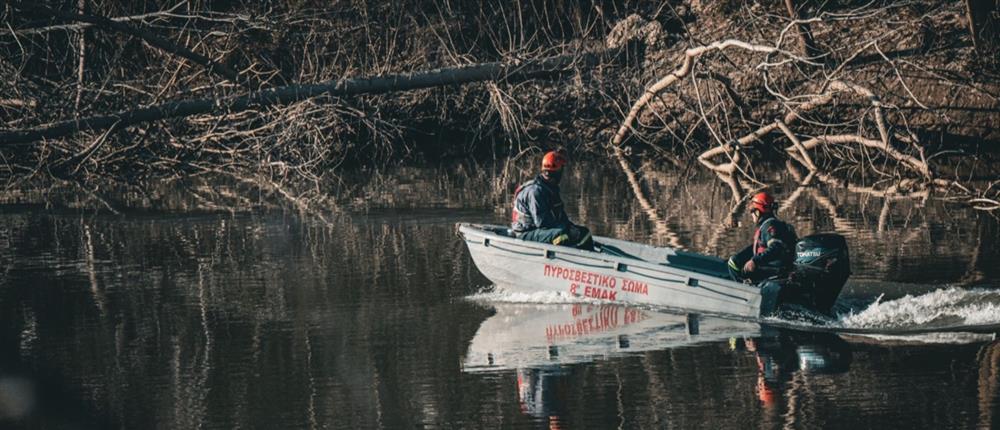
944,315
941,308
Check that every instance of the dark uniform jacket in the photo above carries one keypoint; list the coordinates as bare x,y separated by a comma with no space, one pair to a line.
774,244
537,204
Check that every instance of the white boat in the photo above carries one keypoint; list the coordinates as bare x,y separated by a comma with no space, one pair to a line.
622,272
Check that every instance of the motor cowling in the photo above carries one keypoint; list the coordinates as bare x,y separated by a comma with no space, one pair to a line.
822,266
824,252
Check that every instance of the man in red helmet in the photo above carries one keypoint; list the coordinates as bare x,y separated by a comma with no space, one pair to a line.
539,214
773,250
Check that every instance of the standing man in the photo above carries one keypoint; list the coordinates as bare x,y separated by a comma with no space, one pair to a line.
539,214
773,250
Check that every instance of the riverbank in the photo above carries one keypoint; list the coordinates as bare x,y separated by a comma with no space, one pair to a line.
894,96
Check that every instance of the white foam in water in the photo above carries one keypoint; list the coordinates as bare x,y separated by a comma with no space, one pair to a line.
503,295
943,308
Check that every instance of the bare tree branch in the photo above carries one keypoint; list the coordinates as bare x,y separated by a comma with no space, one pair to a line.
152,39
83,25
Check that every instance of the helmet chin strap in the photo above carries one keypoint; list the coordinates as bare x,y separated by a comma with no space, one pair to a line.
757,215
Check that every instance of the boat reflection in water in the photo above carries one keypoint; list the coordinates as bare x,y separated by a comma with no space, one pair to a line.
541,341
532,335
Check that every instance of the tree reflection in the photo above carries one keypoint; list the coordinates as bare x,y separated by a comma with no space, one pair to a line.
257,311
989,384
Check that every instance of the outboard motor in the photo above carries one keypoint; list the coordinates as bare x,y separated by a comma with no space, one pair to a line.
822,266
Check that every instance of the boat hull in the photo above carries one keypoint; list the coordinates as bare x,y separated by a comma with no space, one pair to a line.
640,274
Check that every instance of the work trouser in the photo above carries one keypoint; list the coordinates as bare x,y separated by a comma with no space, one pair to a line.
575,236
769,289
760,273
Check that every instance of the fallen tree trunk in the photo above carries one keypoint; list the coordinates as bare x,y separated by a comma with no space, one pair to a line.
495,71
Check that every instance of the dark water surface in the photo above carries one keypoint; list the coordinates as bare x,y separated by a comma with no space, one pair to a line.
375,317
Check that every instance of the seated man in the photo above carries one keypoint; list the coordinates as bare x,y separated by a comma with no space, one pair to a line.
773,250
539,215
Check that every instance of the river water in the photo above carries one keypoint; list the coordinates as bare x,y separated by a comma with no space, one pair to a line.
176,312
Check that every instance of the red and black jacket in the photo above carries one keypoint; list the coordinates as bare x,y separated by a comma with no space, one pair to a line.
774,244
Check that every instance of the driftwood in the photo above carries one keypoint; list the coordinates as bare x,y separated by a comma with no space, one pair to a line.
684,70
800,150
690,55
495,71
727,160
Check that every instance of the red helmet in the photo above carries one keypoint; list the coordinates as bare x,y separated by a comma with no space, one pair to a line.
763,202
553,161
